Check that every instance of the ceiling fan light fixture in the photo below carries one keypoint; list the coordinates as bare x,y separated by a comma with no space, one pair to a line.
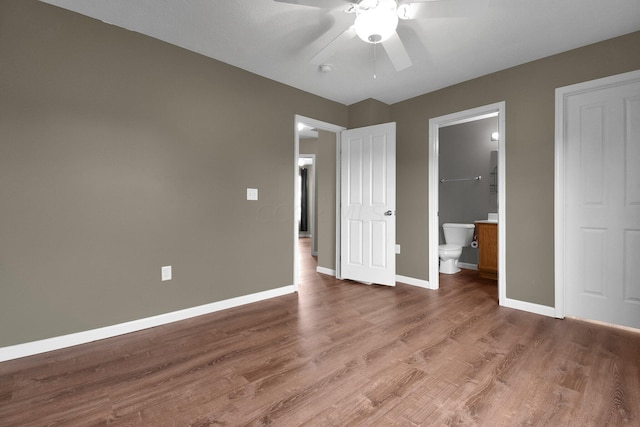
378,22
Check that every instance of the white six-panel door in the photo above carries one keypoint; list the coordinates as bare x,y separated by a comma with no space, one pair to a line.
601,136
368,204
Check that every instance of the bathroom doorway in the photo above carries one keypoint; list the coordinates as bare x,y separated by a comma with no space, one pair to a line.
466,180
468,165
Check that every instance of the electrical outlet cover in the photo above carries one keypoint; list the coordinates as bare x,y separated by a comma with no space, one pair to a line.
252,194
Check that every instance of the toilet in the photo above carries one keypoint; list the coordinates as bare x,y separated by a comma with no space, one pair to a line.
456,236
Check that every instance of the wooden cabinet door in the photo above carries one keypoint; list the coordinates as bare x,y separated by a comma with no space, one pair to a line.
488,249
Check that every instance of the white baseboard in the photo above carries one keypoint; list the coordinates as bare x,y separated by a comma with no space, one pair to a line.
56,343
468,266
413,282
530,307
324,270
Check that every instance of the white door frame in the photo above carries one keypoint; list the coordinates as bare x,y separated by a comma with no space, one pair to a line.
296,211
559,175
491,110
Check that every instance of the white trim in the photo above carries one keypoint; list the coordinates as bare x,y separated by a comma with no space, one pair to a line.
558,203
413,281
338,272
325,270
435,124
467,265
433,226
609,325
296,196
529,306
56,343
559,174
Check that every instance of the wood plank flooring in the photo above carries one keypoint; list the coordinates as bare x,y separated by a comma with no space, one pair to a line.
336,354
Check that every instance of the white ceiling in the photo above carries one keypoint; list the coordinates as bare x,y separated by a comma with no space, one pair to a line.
276,40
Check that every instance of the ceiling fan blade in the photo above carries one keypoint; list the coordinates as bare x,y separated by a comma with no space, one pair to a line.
397,53
329,50
421,9
322,4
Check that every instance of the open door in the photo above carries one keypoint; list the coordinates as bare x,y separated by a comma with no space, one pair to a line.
368,204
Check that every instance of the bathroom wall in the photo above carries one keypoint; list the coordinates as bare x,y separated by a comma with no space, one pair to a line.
466,151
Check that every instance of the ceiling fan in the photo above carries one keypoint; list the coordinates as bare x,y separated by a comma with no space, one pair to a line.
375,22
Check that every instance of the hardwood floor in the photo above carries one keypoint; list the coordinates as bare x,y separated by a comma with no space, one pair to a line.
340,353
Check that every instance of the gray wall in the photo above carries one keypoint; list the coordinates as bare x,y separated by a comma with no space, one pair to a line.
529,93
120,154
465,152
368,113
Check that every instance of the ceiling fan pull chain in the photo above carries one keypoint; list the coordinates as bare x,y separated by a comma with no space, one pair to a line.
374,60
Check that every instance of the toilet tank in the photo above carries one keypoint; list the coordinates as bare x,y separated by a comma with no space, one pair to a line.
458,234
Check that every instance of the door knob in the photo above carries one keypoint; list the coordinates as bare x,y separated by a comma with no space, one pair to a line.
388,213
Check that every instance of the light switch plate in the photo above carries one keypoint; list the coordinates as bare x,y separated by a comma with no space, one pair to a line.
252,194
166,273
397,249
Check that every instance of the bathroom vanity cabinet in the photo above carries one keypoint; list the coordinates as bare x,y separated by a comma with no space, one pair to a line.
487,235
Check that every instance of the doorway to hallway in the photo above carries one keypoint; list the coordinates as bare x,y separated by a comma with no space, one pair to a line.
319,140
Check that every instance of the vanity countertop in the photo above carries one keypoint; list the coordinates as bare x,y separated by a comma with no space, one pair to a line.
485,221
